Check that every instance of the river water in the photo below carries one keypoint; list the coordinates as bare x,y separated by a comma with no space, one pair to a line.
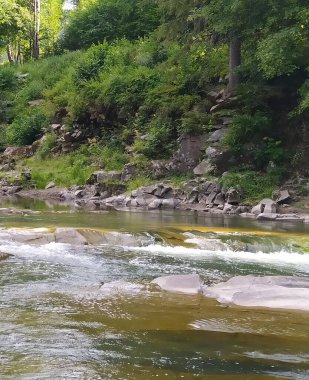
89,312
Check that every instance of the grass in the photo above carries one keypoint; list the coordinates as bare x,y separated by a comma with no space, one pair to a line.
64,171
253,185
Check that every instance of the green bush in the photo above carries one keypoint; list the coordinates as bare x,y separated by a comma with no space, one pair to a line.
254,185
159,141
26,127
8,78
90,63
108,20
48,143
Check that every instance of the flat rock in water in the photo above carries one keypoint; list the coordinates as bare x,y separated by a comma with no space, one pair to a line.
277,292
188,283
69,236
41,236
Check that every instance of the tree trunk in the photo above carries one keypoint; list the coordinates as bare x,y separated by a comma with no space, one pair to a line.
36,20
9,54
19,57
235,60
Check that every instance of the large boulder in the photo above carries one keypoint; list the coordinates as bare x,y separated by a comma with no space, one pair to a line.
69,236
218,135
267,206
188,284
282,196
276,292
18,151
205,167
233,196
129,172
190,150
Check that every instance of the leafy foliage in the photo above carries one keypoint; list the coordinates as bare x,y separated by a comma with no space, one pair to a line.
108,20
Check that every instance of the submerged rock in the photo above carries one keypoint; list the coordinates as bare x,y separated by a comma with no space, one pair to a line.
188,284
276,292
4,256
41,236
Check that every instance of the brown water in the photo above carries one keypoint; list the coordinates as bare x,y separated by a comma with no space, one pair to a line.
57,321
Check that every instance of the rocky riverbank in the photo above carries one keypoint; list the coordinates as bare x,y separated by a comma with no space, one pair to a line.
198,195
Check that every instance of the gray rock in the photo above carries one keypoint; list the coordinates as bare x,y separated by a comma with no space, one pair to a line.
69,236
211,197
247,215
170,203
204,167
219,200
4,256
189,152
257,209
188,284
79,193
229,209
276,292
213,96
194,196
232,196
290,218
50,185
218,135
283,196
269,206
267,216
129,172
13,190
212,152
155,204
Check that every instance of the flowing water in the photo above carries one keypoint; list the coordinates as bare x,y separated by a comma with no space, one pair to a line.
72,312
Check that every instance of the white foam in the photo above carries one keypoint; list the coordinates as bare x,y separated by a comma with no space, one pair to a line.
52,252
275,258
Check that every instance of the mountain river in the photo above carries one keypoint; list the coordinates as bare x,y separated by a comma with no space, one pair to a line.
90,312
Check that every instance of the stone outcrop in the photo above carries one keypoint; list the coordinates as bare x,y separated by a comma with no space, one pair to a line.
44,236
199,194
267,206
68,139
268,292
187,284
276,292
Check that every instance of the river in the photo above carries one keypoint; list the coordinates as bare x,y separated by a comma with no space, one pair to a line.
89,312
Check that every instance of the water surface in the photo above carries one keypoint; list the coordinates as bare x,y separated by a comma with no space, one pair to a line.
90,313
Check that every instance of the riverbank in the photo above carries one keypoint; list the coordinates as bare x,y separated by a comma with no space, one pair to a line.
205,199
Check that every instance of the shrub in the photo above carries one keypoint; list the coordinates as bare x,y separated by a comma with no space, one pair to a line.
8,79
254,185
159,141
26,127
48,143
90,63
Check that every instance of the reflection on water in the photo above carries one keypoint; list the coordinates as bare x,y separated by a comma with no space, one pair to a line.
89,312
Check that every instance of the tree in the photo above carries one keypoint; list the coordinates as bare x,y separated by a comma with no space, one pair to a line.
266,26
14,26
95,21
36,28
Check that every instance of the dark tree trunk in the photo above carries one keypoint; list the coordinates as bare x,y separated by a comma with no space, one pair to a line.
36,20
9,54
235,60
